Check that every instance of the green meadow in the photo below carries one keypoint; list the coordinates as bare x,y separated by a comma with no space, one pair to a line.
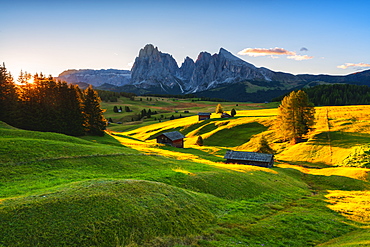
123,189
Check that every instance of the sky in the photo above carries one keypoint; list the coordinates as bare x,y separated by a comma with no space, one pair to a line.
298,37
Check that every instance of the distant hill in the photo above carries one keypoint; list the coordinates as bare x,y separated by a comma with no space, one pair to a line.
96,78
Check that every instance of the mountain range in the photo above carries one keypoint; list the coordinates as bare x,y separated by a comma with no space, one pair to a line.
221,75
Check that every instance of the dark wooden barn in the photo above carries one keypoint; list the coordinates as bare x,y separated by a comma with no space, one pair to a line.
174,138
204,115
249,158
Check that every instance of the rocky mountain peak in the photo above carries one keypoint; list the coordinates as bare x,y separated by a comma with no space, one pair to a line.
148,51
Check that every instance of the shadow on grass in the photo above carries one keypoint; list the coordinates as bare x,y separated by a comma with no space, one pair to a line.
340,139
235,136
197,152
106,139
307,164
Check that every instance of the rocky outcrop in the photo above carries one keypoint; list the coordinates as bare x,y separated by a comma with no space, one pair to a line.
96,77
153,68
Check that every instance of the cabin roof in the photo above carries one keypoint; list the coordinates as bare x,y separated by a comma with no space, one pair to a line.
204,113
174,135
249,156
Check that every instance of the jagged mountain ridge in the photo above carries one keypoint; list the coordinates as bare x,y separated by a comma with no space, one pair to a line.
157,72
153,68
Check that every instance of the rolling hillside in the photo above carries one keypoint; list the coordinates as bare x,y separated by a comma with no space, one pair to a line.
124,189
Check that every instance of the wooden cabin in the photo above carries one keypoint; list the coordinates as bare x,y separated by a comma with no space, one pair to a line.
174,138
249,158
204,116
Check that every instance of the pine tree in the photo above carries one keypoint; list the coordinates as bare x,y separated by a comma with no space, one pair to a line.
264,147
219,109
115,109
95,121
8,97
199,141
295,116
233,112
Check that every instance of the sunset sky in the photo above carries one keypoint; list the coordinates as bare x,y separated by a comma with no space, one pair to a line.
316,37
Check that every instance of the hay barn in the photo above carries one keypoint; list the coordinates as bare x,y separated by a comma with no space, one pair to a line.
204,116
174,138
249,158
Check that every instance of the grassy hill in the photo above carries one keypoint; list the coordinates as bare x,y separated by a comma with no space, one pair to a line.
124,189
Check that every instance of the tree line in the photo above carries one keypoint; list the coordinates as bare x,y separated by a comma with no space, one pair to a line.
337,94
49,105
109,96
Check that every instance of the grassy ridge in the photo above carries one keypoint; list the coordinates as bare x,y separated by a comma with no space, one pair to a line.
57,190
105,213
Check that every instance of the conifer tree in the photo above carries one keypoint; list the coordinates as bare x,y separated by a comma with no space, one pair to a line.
264,147
95,122
199,141
295,116
115,109
8,97
233,112
219,109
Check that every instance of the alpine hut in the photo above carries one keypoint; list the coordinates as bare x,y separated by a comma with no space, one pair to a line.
204,116
249,158
174,138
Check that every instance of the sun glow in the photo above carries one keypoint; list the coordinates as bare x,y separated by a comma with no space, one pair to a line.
31,80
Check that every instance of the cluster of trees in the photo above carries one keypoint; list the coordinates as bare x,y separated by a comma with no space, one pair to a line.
48,105
187,96
295,116
117,110
339,94
109,96
144,113
219,109
336,94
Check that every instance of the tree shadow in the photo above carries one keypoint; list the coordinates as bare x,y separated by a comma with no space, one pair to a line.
340,139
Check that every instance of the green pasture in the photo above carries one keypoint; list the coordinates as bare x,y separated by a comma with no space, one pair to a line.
57,190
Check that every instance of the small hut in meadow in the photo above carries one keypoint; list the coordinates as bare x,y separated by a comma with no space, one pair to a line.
249,158
174,138
204,115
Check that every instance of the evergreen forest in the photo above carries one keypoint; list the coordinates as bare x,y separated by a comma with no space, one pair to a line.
40,103
336,95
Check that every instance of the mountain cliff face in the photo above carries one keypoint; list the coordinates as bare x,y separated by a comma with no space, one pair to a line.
153,68
221,75
96,77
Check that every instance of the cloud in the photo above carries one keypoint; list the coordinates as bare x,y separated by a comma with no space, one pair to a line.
300,57
256,52
274,53
347,65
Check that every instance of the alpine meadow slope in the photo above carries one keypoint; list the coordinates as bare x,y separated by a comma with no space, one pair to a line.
124,189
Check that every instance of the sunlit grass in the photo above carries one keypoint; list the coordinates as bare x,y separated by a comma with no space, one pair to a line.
354,205
240,204
351,172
